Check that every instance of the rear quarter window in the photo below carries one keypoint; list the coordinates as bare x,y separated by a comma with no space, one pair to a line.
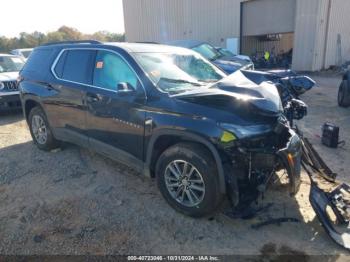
39,63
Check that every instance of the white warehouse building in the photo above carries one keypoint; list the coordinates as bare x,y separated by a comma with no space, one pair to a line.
317,31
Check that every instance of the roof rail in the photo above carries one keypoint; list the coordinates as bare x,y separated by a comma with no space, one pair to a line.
93,42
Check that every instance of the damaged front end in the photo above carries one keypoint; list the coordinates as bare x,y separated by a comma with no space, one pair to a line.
254,153
255,161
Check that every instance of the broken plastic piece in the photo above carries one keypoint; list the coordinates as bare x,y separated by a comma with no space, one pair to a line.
319,201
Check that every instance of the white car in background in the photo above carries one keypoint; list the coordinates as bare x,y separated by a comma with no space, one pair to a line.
24,52
10,65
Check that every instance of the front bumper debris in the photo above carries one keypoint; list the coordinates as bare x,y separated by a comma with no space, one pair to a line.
336,201
320,200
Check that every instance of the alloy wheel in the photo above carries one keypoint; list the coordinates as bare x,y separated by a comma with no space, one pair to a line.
39,129
184,183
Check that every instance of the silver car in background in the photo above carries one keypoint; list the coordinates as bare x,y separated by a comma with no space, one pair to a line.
10,65
24,52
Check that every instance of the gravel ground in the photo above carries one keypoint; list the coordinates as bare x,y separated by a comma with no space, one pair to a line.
73,201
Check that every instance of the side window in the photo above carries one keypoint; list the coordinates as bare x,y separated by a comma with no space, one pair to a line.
111,69
76,65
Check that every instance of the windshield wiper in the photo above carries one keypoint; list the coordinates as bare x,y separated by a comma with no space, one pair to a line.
179,81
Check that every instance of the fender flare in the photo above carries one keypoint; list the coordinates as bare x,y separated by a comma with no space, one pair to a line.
27,97
194,138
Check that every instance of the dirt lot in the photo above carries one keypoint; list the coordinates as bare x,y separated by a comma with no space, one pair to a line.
74,201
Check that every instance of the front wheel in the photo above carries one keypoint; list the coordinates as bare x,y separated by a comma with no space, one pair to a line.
188,179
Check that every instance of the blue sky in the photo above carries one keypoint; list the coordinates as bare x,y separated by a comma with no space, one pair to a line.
88,16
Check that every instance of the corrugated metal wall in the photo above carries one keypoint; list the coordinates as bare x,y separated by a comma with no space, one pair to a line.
320,34
155,20
166,20
339,24
205,21
304,34
320,24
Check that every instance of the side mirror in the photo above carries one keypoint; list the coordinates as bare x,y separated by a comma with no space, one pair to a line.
124,88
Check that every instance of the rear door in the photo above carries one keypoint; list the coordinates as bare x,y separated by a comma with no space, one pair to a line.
73,71
116,117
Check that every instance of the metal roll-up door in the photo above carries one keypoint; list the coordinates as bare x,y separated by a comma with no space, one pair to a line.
263,17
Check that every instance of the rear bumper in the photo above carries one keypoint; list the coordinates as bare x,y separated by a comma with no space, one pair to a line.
10,101
291,158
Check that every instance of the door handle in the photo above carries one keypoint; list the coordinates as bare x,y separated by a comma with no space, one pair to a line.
92,98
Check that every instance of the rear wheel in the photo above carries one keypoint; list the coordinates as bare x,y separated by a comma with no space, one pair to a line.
188,180
40,130
344,94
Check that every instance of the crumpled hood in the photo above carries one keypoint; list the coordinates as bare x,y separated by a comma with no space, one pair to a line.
241,90
9,76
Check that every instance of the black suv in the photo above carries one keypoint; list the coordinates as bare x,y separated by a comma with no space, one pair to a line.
165,111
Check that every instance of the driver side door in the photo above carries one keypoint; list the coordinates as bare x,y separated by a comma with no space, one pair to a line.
115,117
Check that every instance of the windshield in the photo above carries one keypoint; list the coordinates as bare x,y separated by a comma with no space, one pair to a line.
10,64
176,72
207,51
26,53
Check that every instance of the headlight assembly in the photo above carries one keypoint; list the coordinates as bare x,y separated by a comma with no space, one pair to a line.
242,132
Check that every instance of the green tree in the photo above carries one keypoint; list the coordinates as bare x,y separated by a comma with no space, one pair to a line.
64,33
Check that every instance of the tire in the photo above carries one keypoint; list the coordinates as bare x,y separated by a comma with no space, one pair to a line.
203,168
49,143
344,94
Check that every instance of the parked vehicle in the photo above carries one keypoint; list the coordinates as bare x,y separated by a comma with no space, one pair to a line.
228,64
10,65
227,53
24,52
167,112
344,90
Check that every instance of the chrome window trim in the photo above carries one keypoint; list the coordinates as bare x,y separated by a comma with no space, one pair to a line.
93,49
